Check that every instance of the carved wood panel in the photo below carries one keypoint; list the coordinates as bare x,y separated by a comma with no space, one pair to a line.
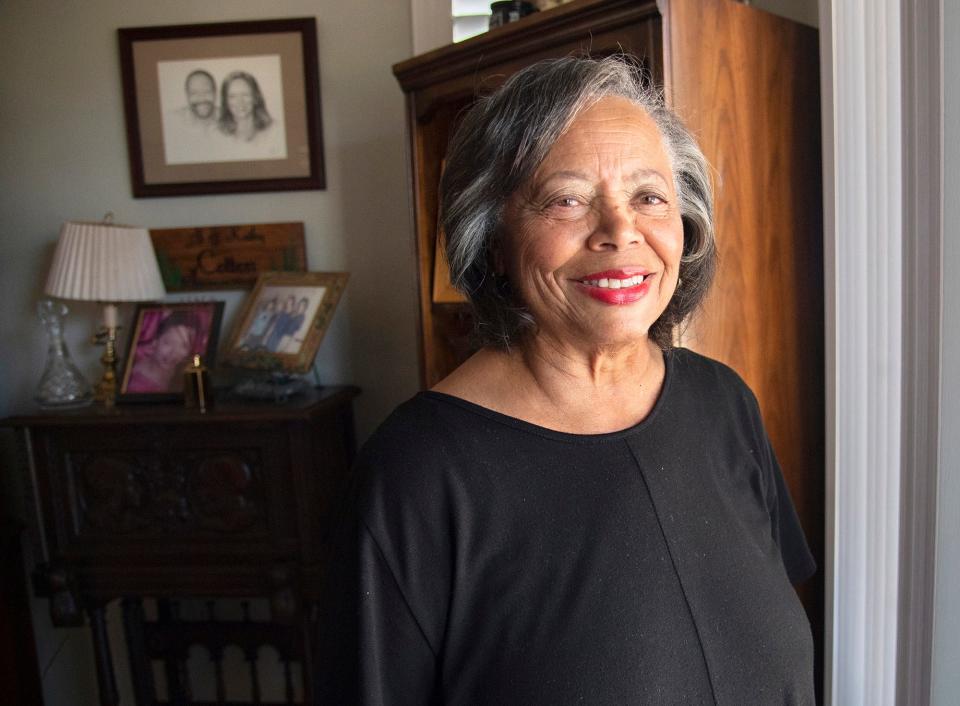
210,496
180,491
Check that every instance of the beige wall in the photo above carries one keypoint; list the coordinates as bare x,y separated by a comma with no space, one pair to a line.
63,156
800,10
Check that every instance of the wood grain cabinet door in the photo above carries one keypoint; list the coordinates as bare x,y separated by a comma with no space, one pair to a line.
173,498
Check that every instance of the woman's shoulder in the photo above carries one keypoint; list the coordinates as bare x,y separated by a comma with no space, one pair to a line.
415,442
702,376
421,421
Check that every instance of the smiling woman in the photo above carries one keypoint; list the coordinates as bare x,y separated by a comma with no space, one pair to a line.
597,225
243,112
580,511
511,145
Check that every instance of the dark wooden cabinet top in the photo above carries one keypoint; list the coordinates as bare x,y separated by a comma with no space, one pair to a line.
524,38
313,402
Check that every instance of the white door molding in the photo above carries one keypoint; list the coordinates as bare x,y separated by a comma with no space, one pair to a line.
922,235
883,191
863,242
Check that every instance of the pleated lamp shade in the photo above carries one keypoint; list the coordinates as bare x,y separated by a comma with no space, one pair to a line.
104,262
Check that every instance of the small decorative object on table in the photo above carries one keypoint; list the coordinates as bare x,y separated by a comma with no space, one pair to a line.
197,391
508,11
166,337
280,329
109,263
276,387
62,385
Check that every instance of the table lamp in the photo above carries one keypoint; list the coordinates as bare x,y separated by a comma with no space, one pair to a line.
108,263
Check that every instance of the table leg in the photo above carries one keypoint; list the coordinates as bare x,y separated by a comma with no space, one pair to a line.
141,670
101,650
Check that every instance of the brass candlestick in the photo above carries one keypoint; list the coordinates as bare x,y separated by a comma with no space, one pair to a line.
197,391
106,390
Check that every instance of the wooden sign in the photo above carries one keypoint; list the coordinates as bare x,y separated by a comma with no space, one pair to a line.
227,257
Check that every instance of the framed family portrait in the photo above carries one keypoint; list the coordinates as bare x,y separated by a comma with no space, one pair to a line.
284,320
163,340
222,108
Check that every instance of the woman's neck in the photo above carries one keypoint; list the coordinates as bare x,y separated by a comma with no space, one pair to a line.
245,127
557,365
564,388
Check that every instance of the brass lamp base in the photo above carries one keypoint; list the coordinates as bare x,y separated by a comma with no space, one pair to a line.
105,391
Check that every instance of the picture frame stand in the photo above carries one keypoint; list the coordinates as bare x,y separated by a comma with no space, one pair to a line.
274,386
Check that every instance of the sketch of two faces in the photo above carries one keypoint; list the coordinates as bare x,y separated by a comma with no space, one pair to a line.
222,110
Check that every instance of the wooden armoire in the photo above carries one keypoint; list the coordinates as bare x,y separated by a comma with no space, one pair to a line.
747,84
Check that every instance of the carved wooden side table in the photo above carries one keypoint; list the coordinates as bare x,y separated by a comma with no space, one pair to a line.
169,503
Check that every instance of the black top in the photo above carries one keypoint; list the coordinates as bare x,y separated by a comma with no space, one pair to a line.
499,562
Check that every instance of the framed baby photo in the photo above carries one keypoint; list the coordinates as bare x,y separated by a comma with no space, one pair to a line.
163,340
222,108
284,320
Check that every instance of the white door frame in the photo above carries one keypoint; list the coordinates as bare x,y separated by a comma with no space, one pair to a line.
882,115
922,36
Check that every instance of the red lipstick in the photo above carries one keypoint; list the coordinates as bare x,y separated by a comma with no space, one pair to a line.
616,274
591,285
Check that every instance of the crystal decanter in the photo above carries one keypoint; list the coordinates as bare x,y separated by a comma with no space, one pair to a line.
62,385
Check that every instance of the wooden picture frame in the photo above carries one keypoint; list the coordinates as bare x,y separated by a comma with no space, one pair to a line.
222,108
163,340
284,320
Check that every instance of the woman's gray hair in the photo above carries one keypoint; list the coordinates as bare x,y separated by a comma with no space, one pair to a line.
502,141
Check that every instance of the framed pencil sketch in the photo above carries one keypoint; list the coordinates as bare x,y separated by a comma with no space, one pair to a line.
222,108
284,320
165,337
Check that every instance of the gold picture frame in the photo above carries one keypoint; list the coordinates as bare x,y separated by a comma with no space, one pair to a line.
284,320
